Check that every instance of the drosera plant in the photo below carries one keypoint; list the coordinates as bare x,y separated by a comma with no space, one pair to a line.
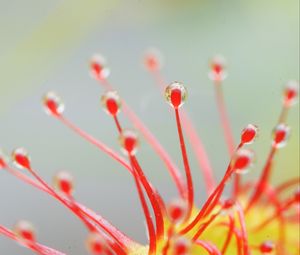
256,218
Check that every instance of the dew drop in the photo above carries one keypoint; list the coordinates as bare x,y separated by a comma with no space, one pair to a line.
3,160
64,182
217,68
21,158
249,133
242,161
96,245
53,104
153,59
228,206
25,231
111,102
290,93
98,69
181,246
267,247
281,134
176,94
129,142
177,210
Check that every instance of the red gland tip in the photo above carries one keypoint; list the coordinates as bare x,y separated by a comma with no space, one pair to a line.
176,94
290,93
129,142
266,247
177,211
98,67
111,102
153,59
53,104
64,182
249,133
281,134
181,246
21,158
242,161
297,196
3,160
25,231
218,68
96,245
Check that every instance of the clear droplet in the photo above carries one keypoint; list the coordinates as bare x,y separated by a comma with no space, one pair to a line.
181,246
177,210
242,161
64,182
249,134
111,102
153,59
95,244
129,142
228,206
267,247
53,105
290,93
217,68
281,135
3,159
176,94
25,231
21,158
98,68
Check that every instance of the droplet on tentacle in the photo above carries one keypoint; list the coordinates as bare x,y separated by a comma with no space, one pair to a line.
290,93
3,160
111,102
64,182
98,67
281,134
228,205
96,245
267,247
249,133
21,158
218,68
181,246
177,211
129,142
153,59
25,231
242,161
176,94
53,104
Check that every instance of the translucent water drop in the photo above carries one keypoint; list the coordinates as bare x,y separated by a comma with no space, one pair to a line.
267,247
3,160
217,68
129,142
242,161
249,134
21,158
153,59
281,134
98,67
53,104
177,210
25,231
111,102
181,246
96,245
290,93
64,182
176,94
228,206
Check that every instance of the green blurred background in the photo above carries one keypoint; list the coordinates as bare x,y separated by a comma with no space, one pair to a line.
46,45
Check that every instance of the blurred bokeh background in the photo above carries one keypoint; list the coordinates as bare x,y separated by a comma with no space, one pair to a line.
46,45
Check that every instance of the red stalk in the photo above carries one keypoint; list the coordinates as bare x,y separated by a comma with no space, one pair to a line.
151,230
229,235
211,249
194,139
189,179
